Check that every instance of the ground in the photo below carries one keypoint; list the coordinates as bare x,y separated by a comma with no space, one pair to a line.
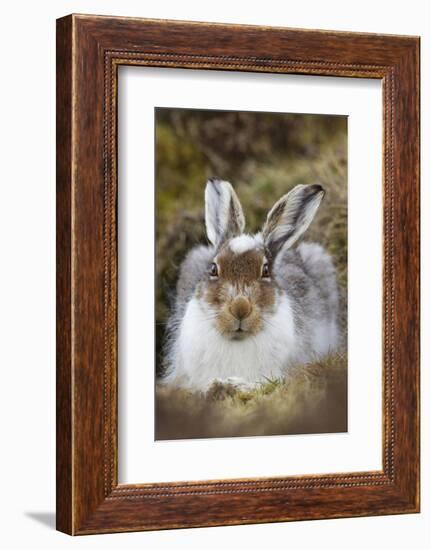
312,400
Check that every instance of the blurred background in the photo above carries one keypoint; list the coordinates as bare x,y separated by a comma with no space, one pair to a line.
263,155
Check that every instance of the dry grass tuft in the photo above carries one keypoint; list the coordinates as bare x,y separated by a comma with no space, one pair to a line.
312,400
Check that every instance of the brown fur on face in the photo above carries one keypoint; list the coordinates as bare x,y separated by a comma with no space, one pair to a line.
239,295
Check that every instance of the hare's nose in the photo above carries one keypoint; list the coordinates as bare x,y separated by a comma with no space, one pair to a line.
240,308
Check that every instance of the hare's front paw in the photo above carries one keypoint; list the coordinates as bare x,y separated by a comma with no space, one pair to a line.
227,387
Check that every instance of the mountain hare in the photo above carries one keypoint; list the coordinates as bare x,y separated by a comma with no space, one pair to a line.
249,307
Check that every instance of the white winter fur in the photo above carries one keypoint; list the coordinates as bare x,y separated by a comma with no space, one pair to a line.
243,243
201,354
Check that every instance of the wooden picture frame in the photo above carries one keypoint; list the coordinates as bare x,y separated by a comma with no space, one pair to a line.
89,51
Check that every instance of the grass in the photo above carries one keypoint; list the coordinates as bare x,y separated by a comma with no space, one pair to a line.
312,400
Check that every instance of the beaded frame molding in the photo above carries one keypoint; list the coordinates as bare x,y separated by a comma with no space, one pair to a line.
89,51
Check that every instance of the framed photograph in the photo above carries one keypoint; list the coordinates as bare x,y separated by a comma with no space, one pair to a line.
237,274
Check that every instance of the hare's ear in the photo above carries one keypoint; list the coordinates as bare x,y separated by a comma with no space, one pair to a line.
224,217
290,216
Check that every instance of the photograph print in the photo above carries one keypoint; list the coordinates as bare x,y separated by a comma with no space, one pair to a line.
251,273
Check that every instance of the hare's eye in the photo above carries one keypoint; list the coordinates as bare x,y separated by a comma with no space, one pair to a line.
213,270
265,271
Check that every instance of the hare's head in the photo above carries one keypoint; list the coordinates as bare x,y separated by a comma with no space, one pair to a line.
239,288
